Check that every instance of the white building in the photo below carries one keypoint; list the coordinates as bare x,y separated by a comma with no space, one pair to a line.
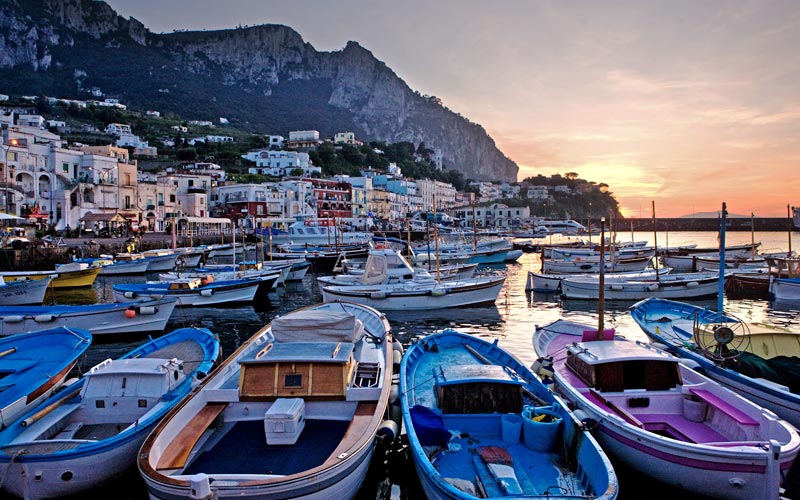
219,138
152,113
496,215
538,193
30,121
276,141
444,192
303,139
118,129
201,123
280,163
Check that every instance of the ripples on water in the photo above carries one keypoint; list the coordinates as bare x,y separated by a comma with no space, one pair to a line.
511,320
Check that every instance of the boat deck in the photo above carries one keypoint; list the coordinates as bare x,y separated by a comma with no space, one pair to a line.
537,473
244,450
187,351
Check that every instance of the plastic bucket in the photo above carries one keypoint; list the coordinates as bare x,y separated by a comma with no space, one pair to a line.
541,427
694,411
512,427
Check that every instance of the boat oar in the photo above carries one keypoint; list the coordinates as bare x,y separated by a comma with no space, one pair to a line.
8,351
49,408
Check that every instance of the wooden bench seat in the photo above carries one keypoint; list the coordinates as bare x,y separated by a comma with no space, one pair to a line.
720,404
177,452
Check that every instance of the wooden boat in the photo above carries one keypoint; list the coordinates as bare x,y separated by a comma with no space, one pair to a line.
111,266
68,276
144,316
684,259
670,286
481,425
555,266
418,295
660,417
270,277
34,365
308,433
754,360
23,292
785,289
192,292
545,282
91,431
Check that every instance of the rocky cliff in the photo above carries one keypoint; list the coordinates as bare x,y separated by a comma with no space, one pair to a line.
265,76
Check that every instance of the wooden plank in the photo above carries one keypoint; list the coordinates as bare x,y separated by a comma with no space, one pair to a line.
177,452
720,404
362,423
617,409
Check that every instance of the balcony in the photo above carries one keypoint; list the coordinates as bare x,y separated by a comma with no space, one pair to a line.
151,207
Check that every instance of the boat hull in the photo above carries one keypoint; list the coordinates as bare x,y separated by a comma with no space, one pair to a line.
668,287
426,298
786,289
101,319
29,292
138,266
242,292
61,279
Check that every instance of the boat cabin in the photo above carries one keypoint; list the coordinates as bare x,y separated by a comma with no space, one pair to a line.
126,386
297,369
384,264
311,357
472,389
621,366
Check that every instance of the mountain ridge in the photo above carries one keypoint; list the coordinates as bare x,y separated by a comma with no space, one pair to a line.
266,77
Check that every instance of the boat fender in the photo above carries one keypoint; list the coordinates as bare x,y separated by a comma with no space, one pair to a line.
148,310
616,287
388,431
377,295
438,292
200,487
587,422
208,292
130,295
397,346
14,319
692,284
397,358
130,313
44,318
653,287
394,393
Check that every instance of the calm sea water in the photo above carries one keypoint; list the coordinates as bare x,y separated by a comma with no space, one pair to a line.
512,320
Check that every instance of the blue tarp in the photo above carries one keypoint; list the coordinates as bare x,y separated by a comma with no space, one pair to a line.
429,427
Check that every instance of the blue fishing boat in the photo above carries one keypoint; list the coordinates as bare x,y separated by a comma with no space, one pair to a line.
90,432
194,291
34,365
143,316
481,425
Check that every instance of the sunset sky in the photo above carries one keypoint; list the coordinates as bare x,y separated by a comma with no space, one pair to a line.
680,102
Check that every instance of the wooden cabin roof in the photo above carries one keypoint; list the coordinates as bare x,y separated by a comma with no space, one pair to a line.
319,352
461,374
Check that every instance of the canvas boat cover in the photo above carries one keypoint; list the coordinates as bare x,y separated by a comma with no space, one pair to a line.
317,325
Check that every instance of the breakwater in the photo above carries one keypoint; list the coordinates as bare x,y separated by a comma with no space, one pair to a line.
698,224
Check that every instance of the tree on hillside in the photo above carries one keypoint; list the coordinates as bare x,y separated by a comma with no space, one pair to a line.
571,175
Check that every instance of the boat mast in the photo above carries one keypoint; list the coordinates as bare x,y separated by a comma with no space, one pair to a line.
655,241
752,236
436,236
602,282
474,231
721,282
789,216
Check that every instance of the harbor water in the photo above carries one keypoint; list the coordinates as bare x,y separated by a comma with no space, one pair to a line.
511,320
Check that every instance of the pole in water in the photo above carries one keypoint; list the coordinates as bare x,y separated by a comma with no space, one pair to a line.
601,282
721,282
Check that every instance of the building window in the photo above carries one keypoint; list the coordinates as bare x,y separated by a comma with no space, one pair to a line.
293,380
65,167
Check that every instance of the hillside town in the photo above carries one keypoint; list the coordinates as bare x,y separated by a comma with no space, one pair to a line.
67,186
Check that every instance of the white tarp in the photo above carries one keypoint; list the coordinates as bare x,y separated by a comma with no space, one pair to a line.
314,326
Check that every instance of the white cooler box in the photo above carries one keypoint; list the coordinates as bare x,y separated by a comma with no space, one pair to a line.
285,420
